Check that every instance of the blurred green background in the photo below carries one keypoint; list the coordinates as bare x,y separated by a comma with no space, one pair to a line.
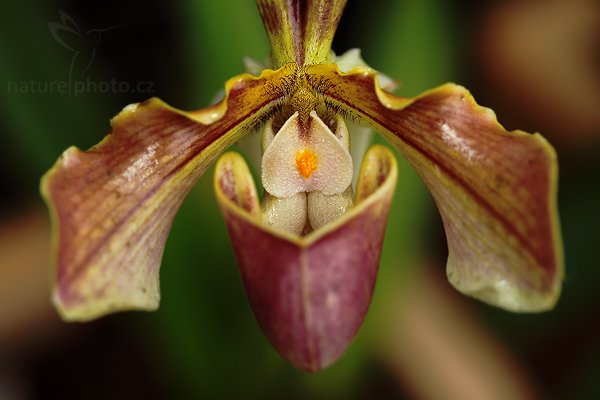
536,63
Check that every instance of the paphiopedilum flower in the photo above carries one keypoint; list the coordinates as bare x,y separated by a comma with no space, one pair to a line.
308,252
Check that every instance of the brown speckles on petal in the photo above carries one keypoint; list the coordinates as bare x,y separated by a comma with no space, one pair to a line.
234,180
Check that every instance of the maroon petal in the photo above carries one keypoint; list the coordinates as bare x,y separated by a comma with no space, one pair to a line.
495,190
113,205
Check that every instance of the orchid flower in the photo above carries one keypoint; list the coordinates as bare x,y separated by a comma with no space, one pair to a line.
308,250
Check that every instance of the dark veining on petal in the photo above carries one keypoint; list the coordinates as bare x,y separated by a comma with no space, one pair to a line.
312,24
271,18
423,114
153,125
297,12
96,194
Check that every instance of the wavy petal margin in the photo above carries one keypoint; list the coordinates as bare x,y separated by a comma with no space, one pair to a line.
309,294
112,206
301,31
496,190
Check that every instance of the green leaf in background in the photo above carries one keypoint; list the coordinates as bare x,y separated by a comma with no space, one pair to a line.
34,107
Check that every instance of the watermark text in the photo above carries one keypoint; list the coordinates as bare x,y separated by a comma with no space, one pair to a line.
79,87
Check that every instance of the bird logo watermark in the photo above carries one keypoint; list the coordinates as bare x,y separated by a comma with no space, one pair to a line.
83,45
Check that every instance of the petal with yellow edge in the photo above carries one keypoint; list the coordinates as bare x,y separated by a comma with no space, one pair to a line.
309,293
495,190
113,205
301,31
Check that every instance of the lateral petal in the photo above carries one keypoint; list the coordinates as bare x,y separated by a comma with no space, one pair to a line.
112,206
495,190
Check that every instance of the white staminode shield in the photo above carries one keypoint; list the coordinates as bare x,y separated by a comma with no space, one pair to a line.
306,158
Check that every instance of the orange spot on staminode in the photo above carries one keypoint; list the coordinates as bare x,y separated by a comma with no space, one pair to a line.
306,162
